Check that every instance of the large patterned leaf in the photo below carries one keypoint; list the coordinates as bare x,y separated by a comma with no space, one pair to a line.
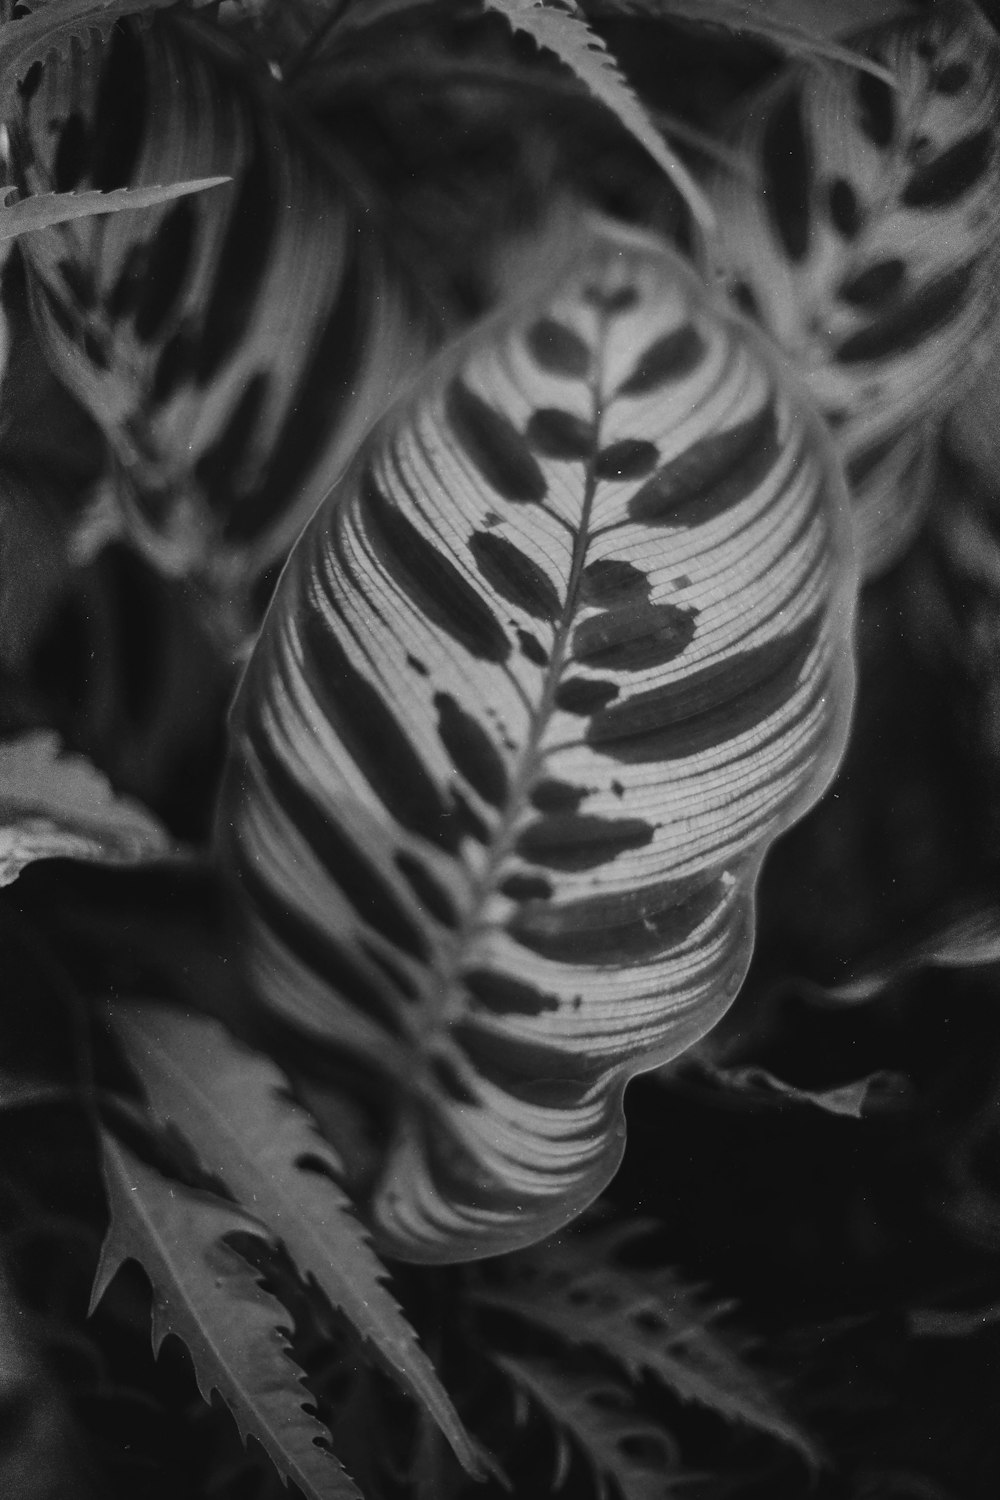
863,237
234,345
551,669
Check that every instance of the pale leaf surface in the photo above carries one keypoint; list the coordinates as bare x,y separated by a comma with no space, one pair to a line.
45,209
59,806
206,1295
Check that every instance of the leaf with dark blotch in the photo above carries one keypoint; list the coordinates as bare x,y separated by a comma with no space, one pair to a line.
873,283
630,458
876,107
508,996
493,444
610,581
472,751
950,175
583,695
557,349
515,576
714,474
596,931
909,321
786,175
526,887
668,359
845,210
580,841
551,795
560,434
634,637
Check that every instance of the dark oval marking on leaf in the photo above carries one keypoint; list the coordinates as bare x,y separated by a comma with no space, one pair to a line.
582,695
950,175
670,358
506,996
786,169
170,253
712,475
71,154
846,214
526,888
515,576
876,108
874,283
951,79
472,752
557,349
650,922
630,458
430,578
560,434
610,581
552,795
580,841
494,446
427,889
709,707
374,738
906,324
532,649
30,83
630,640
356,877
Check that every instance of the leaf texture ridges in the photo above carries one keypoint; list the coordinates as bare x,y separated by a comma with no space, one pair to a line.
234,345
863,238
233,1107
205,1294
557,661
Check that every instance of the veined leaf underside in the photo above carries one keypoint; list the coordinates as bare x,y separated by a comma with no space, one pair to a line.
558,660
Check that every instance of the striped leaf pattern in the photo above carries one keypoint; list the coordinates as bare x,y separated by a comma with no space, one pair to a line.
863,238
234,345
552,667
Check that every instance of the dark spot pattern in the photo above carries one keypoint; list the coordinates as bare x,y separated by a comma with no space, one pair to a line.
557,349
505,996
634,637
910,319
472,752
947,177
551,795
668,359
609,580
532,649
630,458
526,888
560,434
515,576
579,841
582,695
494,446
876,109
951,79
786,175
601,930
846,214
710,476
874,283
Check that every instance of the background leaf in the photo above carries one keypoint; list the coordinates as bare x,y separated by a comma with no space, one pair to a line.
45,209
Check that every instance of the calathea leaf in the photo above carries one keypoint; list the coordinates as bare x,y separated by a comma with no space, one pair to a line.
560,657
646,1321
863,239
233,345
205,1294
56,806
233,1108
627,1455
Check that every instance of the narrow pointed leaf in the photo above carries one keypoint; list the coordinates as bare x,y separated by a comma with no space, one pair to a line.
46,209
563,654
206,1295
233,1107
565,33
58,806
628,1456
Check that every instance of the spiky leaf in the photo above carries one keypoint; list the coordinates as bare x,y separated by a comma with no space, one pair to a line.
233,1107
647,1321
553,666
205,1294
627,1455
562,30
56,806
46,209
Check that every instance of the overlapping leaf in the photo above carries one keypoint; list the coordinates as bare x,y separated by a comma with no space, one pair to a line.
56,806
557,661
233,1107
233,345
863,237
205,1294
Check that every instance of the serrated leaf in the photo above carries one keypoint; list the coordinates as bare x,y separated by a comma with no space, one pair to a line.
565,33
591,1414
560,657
45,209
233,1108
59,806
206,1295
647,1321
